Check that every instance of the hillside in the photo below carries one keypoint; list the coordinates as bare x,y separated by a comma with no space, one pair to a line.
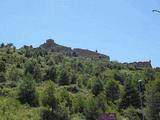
55,82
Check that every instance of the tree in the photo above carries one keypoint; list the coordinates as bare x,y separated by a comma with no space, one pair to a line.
120,77
132,114
51,74
29,67
46,114
8,51
92,109
78,116
97,88
2,77
79,103
112,90
9,45
74,54
2,45
2,66
56,110
14,49
73,78
130,96
27,92
64,97
149,74
32,67
48,98
64,78
28,52
152,97
13,74
63,112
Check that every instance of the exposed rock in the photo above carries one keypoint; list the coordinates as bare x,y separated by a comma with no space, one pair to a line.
50,44
140,65
89,54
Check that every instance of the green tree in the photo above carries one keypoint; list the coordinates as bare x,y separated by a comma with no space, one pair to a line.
32,67
64,97
97,87
92,109
2,77
149,74
64,78
48,98
132,114
112,90
120,77
79,103
63,112
73,78
8,51
78,116
130,96
51,74
46,114
13,74
57,108
28,52
27,92
2,66
152,97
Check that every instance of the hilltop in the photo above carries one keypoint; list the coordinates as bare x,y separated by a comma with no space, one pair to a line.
79,52
50,44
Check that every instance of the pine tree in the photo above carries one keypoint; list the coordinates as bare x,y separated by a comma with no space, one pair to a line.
27,92
152,97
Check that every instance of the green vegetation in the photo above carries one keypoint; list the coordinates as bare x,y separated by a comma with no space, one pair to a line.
57,83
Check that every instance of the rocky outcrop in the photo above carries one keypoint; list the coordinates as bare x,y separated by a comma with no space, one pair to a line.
89,54
139,65
50,44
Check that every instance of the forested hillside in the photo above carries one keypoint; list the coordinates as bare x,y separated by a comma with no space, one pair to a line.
54,82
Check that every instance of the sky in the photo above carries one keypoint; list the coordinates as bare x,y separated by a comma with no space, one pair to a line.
126,30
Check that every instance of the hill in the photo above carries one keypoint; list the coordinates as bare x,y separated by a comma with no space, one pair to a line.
55,82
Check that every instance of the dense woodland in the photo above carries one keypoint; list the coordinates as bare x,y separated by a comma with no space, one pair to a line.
59,84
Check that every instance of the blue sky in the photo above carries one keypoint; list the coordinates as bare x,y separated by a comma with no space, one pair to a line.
126,30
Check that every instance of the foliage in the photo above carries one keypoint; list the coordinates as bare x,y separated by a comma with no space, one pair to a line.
32,67
130,96
132,114
13,74
64,78
112,90
51,74
152,97
2,66
48,98
11,109
97,88
2,77
27,92
56,83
